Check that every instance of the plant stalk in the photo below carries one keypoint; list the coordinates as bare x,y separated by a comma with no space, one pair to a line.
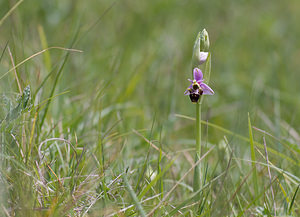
197,171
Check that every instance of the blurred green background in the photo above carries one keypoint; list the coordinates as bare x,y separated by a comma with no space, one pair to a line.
136,60
142,51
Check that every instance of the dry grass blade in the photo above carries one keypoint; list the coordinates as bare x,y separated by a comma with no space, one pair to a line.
269,172
18,144
150,143
222,129
54,174
240,186
14,67
38,53
130,206
47,140
5,211
10,11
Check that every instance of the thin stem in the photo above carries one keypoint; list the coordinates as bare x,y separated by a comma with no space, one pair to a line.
198,129
197,172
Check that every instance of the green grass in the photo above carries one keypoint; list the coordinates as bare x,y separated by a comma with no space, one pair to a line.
105,129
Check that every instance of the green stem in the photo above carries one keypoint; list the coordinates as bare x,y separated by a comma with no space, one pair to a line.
198,129
197,172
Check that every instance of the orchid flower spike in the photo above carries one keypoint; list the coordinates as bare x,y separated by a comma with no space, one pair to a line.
197,88
200,49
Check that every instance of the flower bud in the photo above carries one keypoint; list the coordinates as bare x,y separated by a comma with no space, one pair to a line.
204,41
201,45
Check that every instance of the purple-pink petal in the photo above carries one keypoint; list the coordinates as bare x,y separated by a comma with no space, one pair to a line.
186,92
197,74
206,89
203,57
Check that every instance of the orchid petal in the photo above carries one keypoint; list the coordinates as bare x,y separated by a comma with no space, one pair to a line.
197,74
203,57
187,92
206,89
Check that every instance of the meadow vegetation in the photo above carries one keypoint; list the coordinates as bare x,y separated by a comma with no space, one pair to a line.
94,121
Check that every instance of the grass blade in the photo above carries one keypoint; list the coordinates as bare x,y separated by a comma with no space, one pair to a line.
133,196
47,57
254,176
56,81
293,200
10,11
222,129
156,179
